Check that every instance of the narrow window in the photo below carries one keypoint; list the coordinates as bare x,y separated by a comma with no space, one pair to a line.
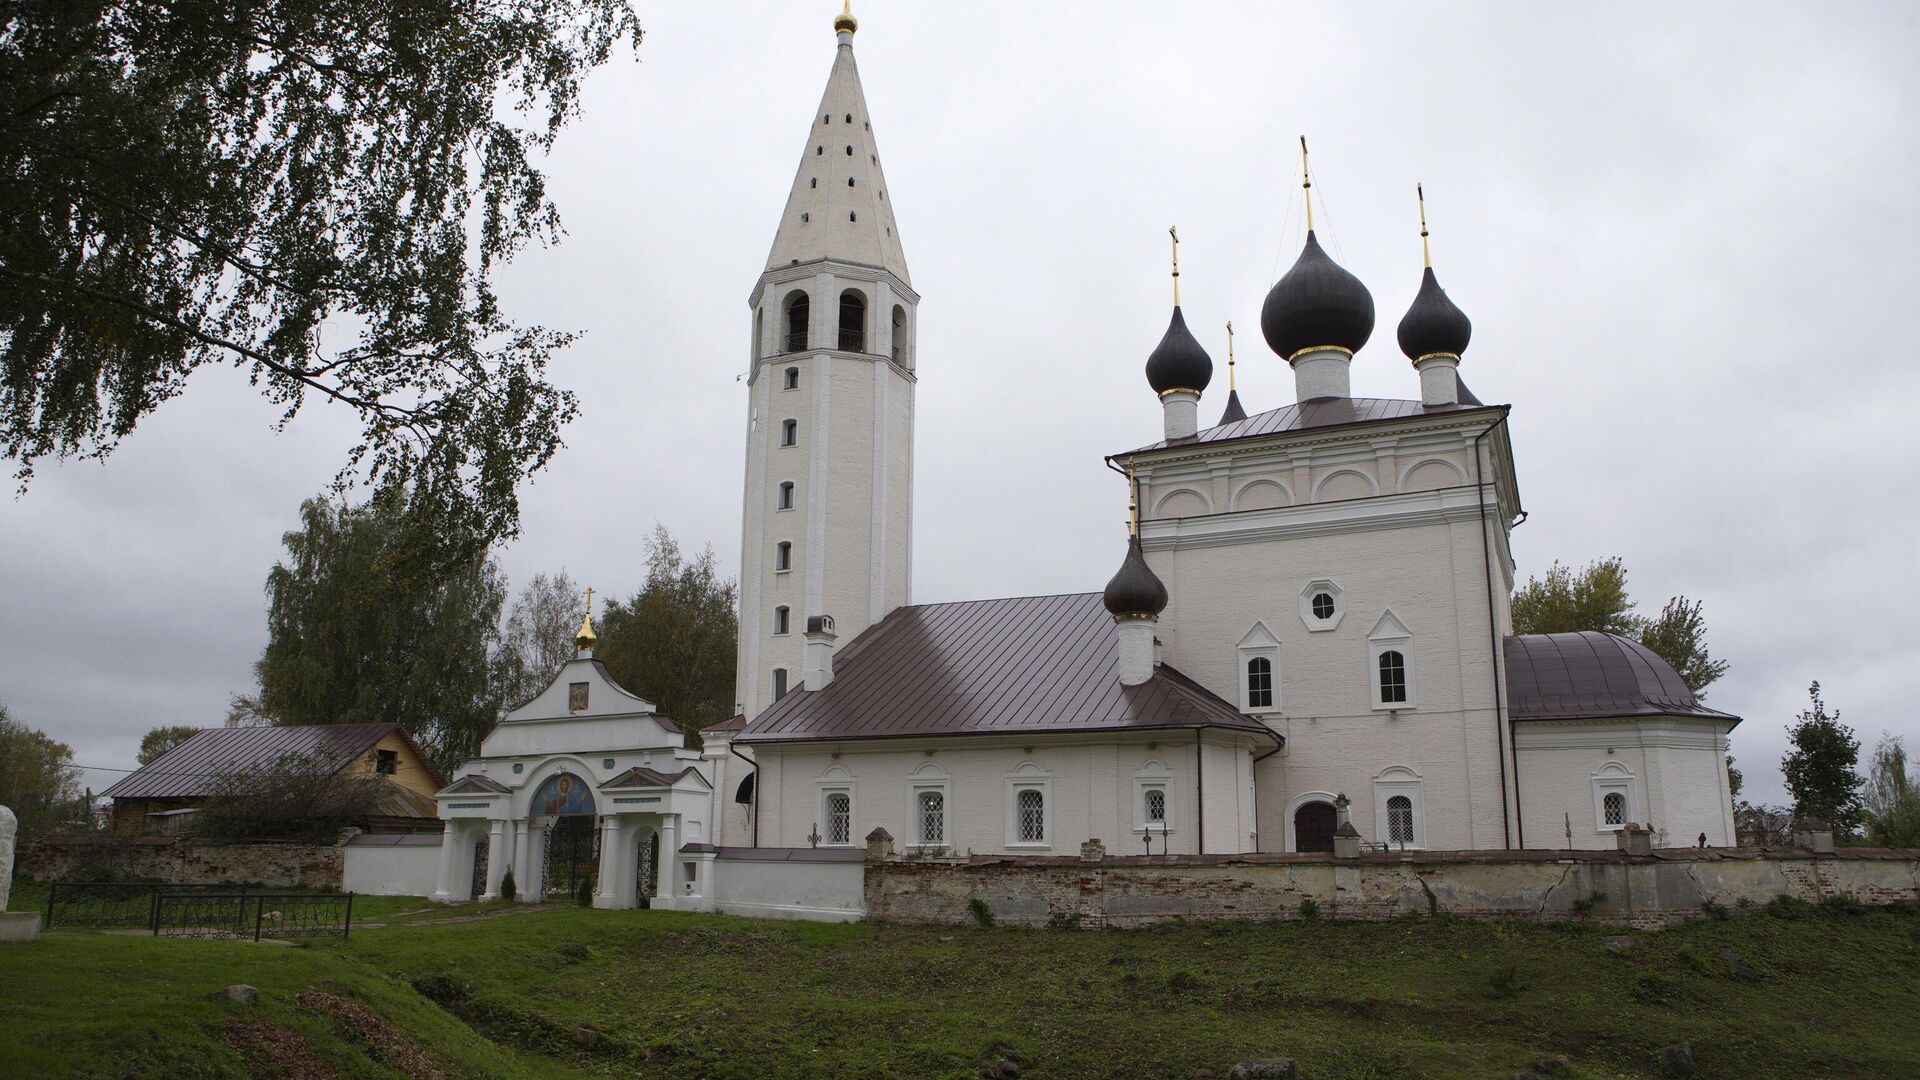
1616,808
798,309
813,182
780,620
1157,807
899,335
786,495
789,432
783,555
826,118
1260,683
1400,820
852,216
1393,676
853,321
779,683
839,818
933,817
849,118
849,151
805,217
793,378
818,150
849,181
1032,806
386,762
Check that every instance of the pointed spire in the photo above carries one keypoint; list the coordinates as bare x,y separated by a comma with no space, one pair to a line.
1178,363
1433,325
1174,232
839,206
1306,183
1235,411
586,638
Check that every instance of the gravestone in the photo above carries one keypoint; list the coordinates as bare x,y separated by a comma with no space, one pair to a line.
14,926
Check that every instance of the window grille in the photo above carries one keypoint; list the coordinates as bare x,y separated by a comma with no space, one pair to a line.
1323,605
1400,820
797,312
1157,806
1393,676
933,817
1615,806
839,818
1260,683
1033,816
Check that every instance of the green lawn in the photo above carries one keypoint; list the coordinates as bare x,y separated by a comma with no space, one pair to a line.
565,992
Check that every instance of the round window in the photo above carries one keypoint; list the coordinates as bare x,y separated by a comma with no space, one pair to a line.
1323,605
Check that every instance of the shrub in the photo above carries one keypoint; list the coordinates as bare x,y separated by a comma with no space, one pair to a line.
1653,990
1310,909
1789,907
299,797
981,913
1694,961
1584,906
1506,982
508,890
1714,909
585,894
1843,904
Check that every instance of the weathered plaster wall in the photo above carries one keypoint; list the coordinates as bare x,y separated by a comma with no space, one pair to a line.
1125,891
186,861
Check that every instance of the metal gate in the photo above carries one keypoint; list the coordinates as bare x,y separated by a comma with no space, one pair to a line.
572,849
481,849
648,877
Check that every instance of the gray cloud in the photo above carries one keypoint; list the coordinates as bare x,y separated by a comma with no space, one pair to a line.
1685,238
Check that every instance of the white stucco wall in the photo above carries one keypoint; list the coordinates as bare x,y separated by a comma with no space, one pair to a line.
391,865
779,887
1092,784
1675,769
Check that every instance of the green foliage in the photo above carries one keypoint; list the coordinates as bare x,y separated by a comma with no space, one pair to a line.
1309,909
1819,769
982,914
367,624
1585,905
539,635
673,641
1595,598
162,739
1892,797
509,889
300,797
316,193
1506,982
584,894
37,779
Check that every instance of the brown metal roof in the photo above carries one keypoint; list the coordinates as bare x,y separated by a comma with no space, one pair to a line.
188,770
1031,664
1589,675
641,776
1319,413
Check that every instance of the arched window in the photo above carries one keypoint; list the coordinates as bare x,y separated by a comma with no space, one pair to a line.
789,432
813,181
839,817
853,321
1032,806
1615,805
759,331
849,181
933,817
797,311
853,215
781,619
849,118
783,555
1157,806
1260,683
819,150
900,354
1393,676
786,495
779,683
1400,820
793,378
849,151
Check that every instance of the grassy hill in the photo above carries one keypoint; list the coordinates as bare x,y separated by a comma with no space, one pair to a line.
1788,991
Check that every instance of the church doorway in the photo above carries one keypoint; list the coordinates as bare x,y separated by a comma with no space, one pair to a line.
572,856
1313,826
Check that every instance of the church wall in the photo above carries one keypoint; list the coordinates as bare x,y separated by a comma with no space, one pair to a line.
1093,790
1673,771
1431,577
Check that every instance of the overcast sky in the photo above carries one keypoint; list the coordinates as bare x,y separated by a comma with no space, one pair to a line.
1686,236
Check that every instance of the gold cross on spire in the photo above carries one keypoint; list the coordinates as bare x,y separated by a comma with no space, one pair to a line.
1133,502
1230,383
1306,182
586,638
1426,255
1175,234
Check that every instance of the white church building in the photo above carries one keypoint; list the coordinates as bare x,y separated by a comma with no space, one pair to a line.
1309,627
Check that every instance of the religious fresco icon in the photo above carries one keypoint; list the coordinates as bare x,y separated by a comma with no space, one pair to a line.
563,794
576,696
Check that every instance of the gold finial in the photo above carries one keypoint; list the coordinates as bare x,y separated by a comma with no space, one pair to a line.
845,23
1306,182
1230,383
1175,234
1133,502
1426,255
586,638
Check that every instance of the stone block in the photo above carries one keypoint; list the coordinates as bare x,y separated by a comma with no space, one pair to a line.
1278,1068
19,925
1677,1059
242,994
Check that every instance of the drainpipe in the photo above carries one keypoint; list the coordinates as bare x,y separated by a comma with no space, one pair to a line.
1199,792
1493,635
756,789
1278,746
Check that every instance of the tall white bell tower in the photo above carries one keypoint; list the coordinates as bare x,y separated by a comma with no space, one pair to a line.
828,520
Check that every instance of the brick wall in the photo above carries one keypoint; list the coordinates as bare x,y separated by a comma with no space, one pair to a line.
183,861
1644,892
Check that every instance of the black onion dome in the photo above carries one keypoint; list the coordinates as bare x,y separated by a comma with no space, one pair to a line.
1135,590
1235,411
1317,303
1178,362
1433,324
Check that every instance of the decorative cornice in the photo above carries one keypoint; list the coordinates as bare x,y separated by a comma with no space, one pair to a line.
1341,349
1234,527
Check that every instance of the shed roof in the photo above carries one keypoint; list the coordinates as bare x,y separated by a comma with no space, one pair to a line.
189,769
1587,675
1033,664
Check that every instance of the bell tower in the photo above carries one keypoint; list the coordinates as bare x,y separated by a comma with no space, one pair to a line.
827,524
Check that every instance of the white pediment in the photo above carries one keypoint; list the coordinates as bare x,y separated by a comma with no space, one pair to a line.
1259,638
602,696
1389,628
